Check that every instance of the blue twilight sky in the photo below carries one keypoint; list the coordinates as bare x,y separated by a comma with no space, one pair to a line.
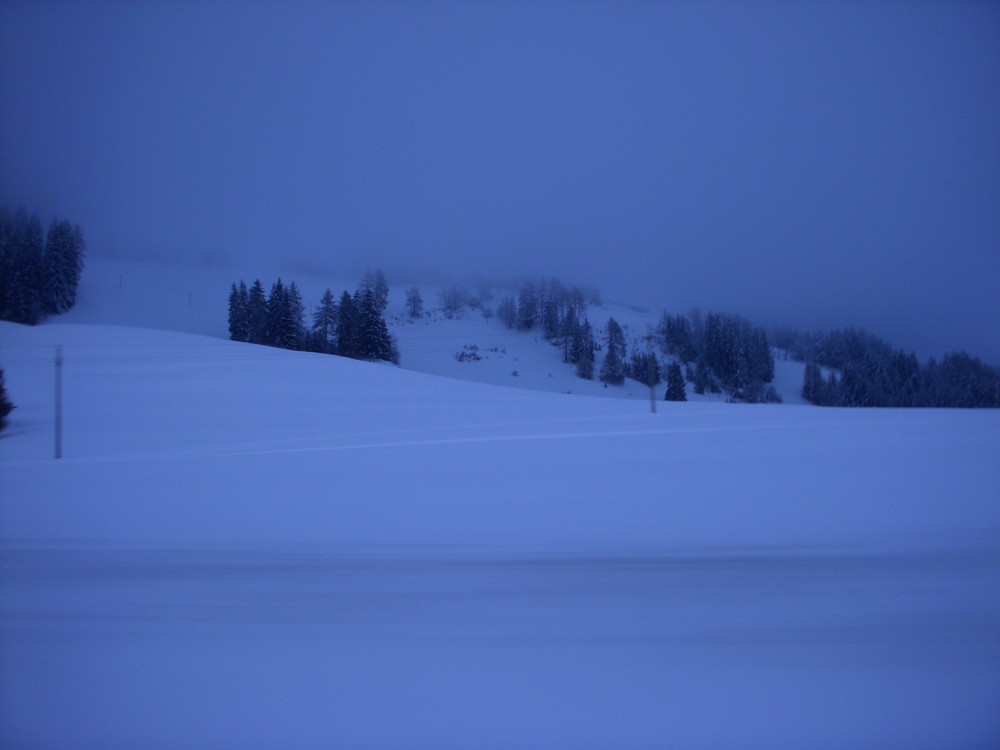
821,163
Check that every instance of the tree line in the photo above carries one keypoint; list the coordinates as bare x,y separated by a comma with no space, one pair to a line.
39,272
715,353
559,313
351,327
864,370
721,353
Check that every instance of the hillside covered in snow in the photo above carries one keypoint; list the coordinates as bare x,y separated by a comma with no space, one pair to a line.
248,546
192,299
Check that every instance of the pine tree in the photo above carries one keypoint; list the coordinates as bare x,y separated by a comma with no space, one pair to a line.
6,407
256,314
583,350
25,302
373,334
276,302
813,387
238,317
645,368
243,306
57,268
62,262
325,323
613,369
38,275
675,383
78,251
292,325
347,336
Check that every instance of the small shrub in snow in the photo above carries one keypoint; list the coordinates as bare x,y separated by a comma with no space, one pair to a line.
468,354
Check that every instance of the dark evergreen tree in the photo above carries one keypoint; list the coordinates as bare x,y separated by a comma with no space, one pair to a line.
60,268
6,407
738,356
582,351
813,387
324,325
676,334
25,301
675,383
644,367
613,369
239,313
373,334
257,314
292,319
568,333
347,327
38,275
277,301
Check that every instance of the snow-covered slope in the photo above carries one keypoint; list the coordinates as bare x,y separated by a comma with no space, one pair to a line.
190,299
732,473
247,547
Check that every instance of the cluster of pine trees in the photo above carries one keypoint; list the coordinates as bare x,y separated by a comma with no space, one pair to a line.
864,370
38,277
560,314
353,327
721,353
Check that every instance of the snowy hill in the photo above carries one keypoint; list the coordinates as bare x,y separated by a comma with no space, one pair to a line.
192,299
250,547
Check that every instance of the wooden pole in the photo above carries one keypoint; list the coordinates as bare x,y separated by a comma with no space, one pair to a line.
59,362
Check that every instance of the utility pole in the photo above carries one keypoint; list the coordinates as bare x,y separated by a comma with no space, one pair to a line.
651,373
59,361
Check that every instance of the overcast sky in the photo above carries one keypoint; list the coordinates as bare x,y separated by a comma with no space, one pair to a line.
825,163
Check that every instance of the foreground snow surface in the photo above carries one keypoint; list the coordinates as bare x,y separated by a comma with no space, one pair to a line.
245,547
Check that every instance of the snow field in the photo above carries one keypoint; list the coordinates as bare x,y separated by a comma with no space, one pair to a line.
248,547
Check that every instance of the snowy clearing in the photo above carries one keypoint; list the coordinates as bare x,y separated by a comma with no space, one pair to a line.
244,546
250,547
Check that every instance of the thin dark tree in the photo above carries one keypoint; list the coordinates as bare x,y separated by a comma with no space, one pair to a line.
675,384
325,323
